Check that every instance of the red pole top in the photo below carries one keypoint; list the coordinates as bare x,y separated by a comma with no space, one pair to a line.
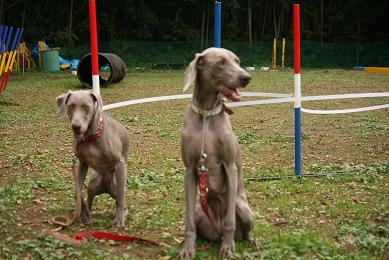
296,28
93,37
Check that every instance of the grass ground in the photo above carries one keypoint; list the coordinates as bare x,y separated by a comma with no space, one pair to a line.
343,216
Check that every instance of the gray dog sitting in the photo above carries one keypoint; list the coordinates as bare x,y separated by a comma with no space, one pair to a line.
226,214
100,142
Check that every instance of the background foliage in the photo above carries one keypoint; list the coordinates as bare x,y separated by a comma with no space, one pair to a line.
336,33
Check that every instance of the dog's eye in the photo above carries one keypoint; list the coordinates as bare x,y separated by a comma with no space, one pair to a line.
237,61
71,107
222,61
86,108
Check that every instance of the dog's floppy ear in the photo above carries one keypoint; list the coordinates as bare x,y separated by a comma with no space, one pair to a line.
98,101
191,71
61,103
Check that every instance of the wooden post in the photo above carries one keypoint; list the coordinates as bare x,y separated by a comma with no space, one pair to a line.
274,59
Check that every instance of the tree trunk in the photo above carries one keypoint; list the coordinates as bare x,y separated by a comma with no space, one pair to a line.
256,22
250,22
275,20
264,21
70,22
358,33
280,20
321,21
207,29
203,26
1,10
178,13
23,17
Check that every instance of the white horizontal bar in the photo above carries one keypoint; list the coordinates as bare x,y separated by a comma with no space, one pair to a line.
250,103
260,102
345,96
145,100
185,96
264,94
343,111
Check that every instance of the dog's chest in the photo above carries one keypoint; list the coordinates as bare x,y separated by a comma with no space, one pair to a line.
95,158
217,141
216,179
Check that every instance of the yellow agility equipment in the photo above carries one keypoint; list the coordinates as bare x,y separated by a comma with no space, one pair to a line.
8,58
10,55
3,58
12,61
23,58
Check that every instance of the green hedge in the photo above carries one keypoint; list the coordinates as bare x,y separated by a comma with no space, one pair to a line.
313,54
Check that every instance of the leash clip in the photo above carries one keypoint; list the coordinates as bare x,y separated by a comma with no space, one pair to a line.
203,157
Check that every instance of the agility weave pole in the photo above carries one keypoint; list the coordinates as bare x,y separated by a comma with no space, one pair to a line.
94,47
8,55
297,91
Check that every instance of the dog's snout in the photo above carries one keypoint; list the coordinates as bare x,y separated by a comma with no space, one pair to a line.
76,128
244,80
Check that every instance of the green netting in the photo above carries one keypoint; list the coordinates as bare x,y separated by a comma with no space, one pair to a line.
178,54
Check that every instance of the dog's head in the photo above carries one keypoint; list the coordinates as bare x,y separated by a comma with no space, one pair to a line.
220,69
82,108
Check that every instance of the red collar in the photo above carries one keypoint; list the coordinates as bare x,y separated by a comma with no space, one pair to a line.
94,137
97,134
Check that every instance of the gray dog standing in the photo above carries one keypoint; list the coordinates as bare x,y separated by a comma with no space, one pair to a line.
101,143
216,73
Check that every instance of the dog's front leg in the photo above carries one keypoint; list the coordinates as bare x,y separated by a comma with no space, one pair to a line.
121,174
85,212
228,245
189,251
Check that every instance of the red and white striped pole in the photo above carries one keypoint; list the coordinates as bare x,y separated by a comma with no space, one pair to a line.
297,91
94,47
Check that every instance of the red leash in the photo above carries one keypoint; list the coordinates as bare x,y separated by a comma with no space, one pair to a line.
203,189
112,236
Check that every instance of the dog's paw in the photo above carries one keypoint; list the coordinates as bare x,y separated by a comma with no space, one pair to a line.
254,243
227,249
188,252
85,217
118,222
120,219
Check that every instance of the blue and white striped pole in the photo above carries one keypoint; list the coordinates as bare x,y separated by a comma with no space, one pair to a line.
297,91
218,24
